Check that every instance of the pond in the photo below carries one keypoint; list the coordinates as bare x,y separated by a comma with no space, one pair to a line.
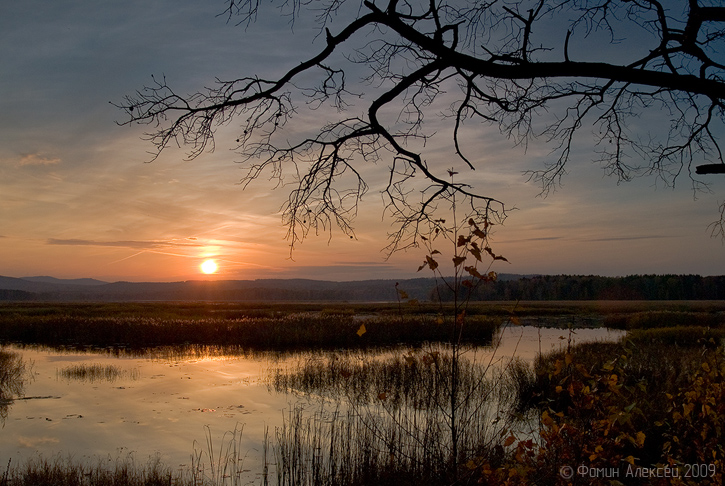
100,406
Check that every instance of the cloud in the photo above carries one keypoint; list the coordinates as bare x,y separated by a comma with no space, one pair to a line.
629,238
37,160
358,264
123,244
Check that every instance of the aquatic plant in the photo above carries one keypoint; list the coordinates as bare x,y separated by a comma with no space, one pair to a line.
96,372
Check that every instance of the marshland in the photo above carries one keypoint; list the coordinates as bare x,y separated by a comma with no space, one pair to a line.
228,393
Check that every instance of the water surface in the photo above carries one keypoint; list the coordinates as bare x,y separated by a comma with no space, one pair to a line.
165,405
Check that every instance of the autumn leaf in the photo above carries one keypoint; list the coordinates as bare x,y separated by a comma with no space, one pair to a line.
640,439
431,263
362,330
382,396
494,256
473,272
462,240
458,260
510,440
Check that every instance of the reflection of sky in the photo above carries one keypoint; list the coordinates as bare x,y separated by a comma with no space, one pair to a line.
77,199
164,410
164,407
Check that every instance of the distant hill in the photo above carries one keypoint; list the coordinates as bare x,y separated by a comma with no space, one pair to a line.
74,281
507,287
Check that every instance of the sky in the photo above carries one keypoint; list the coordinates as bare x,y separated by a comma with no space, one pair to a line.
79,197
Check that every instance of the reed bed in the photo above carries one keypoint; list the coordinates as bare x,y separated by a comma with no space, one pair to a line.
14,372
419,379
377,446
663,318
58,472
393,419
287,332
95,372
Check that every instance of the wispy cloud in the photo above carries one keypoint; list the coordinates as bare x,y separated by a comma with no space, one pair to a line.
631,238
358,264
37,160
123,244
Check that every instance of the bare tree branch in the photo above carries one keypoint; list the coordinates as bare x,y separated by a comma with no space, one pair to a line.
516,69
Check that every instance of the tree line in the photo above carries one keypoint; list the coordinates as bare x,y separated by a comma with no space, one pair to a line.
593,287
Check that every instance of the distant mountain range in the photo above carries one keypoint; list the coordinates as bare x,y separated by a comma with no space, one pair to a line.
507,287
91,290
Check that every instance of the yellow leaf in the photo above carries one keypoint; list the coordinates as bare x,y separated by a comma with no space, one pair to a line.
688,408
362,330
629,459
568,358
559,389
558,367
640,439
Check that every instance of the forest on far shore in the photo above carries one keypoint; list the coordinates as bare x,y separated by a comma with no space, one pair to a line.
593,287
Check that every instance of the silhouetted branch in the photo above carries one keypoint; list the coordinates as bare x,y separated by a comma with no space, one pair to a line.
515,69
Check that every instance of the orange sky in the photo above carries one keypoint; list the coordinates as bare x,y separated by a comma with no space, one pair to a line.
77,198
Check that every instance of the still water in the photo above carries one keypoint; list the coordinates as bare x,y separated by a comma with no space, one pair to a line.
167,405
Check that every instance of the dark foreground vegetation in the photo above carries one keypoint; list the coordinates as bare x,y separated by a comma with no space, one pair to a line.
279,329
650,407
594,287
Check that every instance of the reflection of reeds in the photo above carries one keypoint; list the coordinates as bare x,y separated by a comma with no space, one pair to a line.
13,372
96,372
393,418
417,379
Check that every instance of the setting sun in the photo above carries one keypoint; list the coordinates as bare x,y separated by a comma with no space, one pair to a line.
209,266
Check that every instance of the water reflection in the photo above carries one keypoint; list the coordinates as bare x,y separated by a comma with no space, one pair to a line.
96,372
13,375
162,401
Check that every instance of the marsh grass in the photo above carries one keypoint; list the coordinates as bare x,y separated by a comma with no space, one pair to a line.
221,463
416,378
14,372
660,361
664,318
287,332
65,472
96,372
390,418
